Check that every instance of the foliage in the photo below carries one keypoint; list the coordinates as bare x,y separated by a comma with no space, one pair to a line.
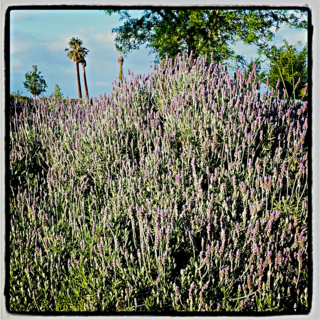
290,67
57,92
35,83
181,191
168,32
19,96
255,64
76,51
303,94
18,103
18,93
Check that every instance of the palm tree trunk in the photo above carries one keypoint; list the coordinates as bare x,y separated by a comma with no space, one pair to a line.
85,81
78,79
120,60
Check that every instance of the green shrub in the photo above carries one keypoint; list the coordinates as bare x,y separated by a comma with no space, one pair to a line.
181,191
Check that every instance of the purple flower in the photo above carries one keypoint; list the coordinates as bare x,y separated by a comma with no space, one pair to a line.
176,289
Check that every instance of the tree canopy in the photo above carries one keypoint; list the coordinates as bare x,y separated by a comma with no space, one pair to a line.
256,64
168,32
76,51
57,92
35,83
289,66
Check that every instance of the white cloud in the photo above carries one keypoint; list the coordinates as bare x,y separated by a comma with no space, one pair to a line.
23,15
16,63
273,29
17,67
291,35
20,47
102,83
299,36
248,51
107,38
68,71
59,45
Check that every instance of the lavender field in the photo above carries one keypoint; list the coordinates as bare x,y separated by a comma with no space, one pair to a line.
183,190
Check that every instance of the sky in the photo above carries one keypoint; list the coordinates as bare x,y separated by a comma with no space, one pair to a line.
40,37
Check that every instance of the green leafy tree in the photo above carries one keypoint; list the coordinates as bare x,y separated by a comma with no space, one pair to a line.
35,83
289,66
57,92
197,32
77,53
256,64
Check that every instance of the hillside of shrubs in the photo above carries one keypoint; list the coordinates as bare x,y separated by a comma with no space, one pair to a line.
183,190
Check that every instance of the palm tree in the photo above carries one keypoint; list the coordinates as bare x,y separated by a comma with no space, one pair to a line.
84,64
120,60
77,53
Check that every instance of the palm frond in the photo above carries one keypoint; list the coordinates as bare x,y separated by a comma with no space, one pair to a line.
76,52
